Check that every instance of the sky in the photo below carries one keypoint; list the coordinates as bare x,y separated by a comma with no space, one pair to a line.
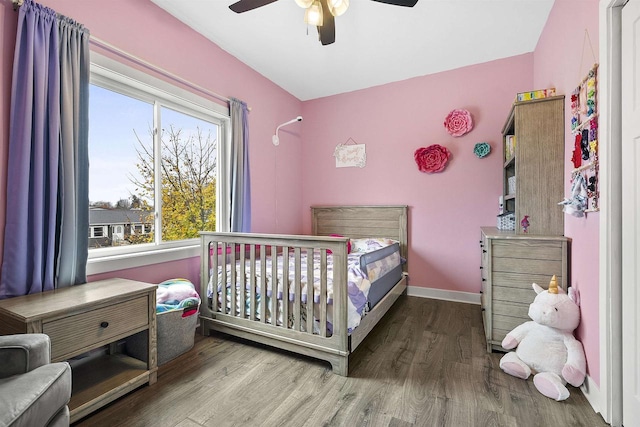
114,122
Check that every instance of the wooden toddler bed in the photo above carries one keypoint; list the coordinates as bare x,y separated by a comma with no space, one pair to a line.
310,320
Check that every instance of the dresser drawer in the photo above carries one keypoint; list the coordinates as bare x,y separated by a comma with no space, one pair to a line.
527,266
528,249
507,323
511,309
71,334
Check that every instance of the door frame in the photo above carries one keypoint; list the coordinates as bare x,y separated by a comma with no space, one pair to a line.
610,251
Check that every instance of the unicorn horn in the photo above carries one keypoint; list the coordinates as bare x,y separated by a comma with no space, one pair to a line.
553,285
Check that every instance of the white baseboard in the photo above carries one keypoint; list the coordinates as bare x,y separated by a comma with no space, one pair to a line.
592,392
456,296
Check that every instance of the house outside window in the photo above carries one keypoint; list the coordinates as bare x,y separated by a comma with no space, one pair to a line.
157,160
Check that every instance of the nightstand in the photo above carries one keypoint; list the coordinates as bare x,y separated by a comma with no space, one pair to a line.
87,317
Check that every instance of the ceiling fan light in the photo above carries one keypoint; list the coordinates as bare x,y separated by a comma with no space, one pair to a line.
338,7
304,3
313,14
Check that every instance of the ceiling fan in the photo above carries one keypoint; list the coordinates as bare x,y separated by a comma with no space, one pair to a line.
320,13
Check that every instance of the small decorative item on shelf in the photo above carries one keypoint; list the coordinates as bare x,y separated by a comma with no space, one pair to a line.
481,149
536,94
525,224
458,122
432,159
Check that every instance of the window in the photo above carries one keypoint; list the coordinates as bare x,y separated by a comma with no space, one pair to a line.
96,232
155,162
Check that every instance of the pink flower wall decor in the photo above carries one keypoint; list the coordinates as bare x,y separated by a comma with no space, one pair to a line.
432,159
458,122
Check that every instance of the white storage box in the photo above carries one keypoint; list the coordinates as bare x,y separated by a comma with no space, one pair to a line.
506,221
511,183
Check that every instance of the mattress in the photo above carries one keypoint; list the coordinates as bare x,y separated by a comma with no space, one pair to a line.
371,272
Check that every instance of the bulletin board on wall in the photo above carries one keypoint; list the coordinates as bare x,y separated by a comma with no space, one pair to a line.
584,128
585,192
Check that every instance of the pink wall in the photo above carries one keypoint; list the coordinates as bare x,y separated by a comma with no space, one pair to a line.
447,209
146,31
187,269
562,59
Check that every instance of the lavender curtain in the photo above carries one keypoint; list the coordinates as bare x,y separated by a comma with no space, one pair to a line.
240,181
47,170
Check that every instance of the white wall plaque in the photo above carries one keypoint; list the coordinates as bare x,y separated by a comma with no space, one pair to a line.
350,155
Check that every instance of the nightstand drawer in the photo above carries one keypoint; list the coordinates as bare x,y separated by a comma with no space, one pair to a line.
72,334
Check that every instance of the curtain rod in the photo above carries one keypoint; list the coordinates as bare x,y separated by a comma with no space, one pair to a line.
111,48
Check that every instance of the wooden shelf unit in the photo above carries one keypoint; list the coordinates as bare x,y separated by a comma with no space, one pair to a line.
537,164
88,320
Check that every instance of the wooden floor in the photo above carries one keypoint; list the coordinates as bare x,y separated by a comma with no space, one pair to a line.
425,364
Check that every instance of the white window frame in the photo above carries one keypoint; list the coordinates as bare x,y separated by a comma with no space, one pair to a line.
94,228
114,75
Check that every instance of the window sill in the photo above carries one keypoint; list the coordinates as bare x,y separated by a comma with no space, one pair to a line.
109,263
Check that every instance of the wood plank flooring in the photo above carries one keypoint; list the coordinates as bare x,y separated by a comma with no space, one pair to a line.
425,364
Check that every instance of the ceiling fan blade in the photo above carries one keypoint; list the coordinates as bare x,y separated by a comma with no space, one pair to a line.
327,32
246,5
407,3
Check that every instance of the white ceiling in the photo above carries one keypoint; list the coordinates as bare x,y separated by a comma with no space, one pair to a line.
375,44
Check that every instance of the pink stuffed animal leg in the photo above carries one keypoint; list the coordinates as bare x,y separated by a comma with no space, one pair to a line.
573,375
551,385
512,365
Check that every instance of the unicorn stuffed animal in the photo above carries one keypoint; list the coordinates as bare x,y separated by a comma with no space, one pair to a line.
545,346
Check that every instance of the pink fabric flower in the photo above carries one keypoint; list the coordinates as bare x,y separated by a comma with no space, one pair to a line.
458,122
432,159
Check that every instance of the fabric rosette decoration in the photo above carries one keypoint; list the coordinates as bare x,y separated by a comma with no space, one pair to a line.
432,159
458,122
481,149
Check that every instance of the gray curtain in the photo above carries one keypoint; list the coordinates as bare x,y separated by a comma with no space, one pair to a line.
74,159
46,229
240,180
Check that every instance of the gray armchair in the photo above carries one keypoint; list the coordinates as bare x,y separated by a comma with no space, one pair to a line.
33,391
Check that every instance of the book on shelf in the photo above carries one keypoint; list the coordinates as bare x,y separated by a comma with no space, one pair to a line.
509,146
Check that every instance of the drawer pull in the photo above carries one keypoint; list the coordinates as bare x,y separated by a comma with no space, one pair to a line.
104,324
484,280
481,267
484,251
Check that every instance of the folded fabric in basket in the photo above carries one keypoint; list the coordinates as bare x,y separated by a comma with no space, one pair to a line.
176,294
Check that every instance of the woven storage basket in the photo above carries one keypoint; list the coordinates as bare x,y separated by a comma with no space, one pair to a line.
506,221
176,335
